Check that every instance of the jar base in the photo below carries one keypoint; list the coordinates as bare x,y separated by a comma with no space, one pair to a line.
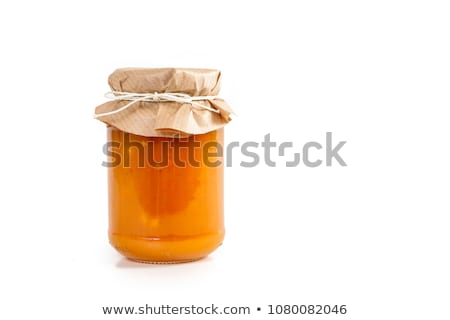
166,250
166,262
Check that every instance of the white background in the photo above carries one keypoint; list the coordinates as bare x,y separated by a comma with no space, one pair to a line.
373,235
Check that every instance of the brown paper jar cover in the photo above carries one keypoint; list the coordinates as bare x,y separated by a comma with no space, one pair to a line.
163,118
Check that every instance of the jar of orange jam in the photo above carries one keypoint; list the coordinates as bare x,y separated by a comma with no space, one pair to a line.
165,140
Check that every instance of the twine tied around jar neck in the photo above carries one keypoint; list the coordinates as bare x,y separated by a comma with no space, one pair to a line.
155,97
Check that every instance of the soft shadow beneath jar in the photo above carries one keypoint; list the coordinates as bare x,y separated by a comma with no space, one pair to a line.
125,263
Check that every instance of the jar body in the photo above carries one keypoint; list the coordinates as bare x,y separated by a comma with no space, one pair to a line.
165,196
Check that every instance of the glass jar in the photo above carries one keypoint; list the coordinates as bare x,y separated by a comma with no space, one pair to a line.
165,196
165,132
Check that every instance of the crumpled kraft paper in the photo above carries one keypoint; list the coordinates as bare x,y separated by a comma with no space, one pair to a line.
164,118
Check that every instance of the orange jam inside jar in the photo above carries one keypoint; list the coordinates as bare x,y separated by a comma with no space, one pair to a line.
165,135
160,210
